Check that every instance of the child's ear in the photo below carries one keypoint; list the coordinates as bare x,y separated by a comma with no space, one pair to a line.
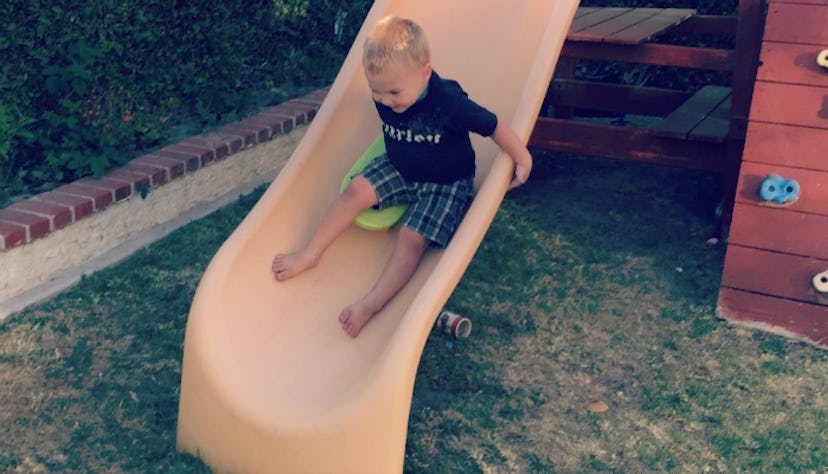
426,70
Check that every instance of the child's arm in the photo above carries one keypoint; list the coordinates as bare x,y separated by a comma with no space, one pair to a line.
509,142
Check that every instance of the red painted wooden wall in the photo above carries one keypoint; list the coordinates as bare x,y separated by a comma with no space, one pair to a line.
774,252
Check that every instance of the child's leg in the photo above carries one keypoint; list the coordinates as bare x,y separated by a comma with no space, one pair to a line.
359,195
432,218
404,260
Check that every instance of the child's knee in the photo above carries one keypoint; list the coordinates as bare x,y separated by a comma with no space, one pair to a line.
361,191
412,239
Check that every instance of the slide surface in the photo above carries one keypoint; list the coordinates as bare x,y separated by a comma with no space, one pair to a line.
270,381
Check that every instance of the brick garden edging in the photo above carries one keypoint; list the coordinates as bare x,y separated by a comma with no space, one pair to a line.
36,240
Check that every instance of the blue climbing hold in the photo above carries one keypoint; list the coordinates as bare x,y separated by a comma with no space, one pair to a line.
778,190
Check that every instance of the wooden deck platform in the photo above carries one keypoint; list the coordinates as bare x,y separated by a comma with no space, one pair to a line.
703,129
625,34
774,252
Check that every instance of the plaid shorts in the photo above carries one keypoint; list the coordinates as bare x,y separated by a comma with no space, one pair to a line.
434,210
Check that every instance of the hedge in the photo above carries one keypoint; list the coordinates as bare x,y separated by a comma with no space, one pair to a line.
86,84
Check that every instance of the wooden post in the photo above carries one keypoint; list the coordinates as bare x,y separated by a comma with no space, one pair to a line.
749,30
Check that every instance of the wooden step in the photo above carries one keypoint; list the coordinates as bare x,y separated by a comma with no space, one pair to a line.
704,116
624,25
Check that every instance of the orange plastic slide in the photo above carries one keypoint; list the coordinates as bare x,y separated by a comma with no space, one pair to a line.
270,381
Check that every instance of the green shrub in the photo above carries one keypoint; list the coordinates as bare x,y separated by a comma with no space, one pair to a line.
13,133
85,85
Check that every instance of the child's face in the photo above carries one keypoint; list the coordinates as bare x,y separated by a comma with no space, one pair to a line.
399,84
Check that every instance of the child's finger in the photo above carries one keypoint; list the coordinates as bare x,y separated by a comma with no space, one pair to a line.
516,181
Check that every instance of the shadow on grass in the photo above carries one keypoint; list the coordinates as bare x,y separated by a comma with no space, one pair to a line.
594,283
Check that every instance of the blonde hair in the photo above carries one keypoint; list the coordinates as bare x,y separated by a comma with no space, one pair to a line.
395,39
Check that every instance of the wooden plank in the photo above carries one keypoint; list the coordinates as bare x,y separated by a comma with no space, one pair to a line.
623,143
716,126
654,25
780,230
813,196
690,114
581,11
630,26
796,23
772,273
778,315
806,2
790,104
593,18
657,54
786,145
604,30
792,64
615,97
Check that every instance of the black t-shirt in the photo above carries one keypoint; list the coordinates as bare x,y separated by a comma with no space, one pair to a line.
430,141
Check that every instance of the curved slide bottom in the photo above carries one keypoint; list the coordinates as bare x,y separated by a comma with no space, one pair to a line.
270,382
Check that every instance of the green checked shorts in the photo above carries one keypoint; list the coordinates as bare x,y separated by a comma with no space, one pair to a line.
435,210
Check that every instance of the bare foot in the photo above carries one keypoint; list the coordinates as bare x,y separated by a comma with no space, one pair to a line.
354,317
288,265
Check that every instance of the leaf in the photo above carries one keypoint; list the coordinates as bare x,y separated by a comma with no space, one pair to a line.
52,83
597,406
79,86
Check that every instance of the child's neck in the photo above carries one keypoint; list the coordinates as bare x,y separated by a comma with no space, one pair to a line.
424,94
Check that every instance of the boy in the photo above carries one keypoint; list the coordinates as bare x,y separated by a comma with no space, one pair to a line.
429,163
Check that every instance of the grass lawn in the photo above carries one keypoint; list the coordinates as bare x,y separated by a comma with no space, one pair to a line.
595,348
